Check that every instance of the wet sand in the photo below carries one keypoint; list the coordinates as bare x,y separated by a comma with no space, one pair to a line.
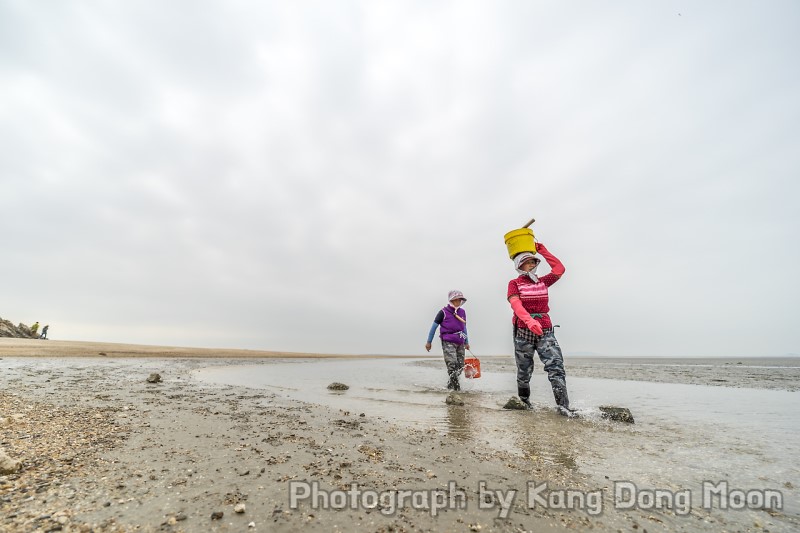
10,347
773,373
101,449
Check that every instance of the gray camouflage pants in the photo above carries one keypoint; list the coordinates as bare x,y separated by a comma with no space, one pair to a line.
549,352
453,359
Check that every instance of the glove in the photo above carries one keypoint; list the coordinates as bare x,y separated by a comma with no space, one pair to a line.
525,317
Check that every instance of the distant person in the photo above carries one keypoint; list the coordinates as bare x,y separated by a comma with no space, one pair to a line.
453,320
44,332
533,330
35,328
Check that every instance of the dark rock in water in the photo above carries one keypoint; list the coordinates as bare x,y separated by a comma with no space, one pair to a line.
618,414
154,378
338,386
454,399
515,403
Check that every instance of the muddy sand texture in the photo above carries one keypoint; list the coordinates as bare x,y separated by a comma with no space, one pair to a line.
103,450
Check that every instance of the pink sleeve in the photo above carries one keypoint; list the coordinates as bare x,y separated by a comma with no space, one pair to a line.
513,289
556,266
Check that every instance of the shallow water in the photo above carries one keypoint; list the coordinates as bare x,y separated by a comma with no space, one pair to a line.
683,435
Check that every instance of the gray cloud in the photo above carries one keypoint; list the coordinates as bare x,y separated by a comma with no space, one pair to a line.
316,177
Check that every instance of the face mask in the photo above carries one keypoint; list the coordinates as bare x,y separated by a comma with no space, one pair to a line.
532,273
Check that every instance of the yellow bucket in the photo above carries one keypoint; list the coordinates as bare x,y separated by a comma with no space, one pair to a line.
520,240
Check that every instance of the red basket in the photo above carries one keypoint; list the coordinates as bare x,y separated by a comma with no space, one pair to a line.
472,368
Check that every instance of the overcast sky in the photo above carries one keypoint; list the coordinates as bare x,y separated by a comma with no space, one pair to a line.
316,176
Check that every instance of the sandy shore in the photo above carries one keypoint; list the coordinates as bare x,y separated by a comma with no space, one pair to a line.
101,449
10,347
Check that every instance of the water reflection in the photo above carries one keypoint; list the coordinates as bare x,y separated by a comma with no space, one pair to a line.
458,420
745,436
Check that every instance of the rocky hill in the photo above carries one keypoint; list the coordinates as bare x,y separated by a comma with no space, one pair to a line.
7,329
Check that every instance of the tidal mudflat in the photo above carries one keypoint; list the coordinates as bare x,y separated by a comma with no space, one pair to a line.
99,448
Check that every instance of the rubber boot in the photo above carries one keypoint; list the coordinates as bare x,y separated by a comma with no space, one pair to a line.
524,395
562,400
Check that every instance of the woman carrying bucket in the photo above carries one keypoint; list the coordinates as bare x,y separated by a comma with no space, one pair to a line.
453,320
533,330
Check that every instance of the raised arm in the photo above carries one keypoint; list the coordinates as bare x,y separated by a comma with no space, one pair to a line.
556,266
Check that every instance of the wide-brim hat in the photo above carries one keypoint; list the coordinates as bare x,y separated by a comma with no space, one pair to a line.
524,256
455,295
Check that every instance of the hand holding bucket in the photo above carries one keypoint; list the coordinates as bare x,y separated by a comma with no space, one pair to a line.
472,367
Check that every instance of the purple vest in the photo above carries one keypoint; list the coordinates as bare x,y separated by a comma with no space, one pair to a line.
452,329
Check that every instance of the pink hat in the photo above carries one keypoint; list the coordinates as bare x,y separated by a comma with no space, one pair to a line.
455,295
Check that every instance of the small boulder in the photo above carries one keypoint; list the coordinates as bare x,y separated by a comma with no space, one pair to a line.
154,378
618,414
515,403
217,515
7,464
338,386
239,508
454,399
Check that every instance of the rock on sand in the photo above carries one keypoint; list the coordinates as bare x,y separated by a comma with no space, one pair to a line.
619,414
338,386
454,399
515,403
7,464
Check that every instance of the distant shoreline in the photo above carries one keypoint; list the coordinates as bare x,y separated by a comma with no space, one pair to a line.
14,347
17,347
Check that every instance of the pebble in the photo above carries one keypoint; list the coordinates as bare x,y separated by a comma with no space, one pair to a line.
7,464
454,399
515,403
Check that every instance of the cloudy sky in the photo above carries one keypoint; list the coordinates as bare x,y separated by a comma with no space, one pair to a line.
315,176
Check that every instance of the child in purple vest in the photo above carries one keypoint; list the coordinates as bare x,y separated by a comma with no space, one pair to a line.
453,321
